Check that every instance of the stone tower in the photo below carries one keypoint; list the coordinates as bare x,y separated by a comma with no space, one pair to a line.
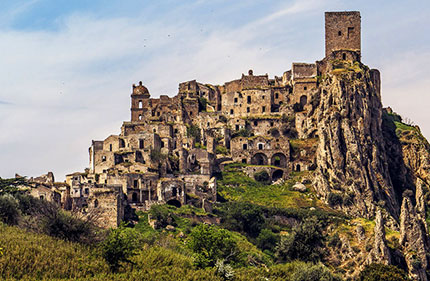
342,32
139,102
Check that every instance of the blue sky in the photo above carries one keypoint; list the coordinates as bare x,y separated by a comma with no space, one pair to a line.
67,66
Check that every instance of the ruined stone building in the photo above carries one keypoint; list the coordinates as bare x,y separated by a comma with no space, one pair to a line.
172,148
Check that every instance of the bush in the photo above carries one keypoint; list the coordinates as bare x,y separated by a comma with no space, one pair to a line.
221,150
305,243
202,103
9,210
193,131
162,215
381,272
334,199
267,240
120,246
210,243
262,176
242,217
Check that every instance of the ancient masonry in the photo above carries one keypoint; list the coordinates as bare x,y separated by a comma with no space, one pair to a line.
172,148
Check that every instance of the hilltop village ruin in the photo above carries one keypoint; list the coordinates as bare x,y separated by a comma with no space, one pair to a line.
173,147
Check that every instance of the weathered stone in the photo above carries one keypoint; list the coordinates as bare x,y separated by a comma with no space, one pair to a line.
299,187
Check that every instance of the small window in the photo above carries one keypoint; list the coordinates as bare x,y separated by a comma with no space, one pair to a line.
339,33
162,144
350,31
176,131
153,113
263,109
255,123
244,146
86,191
103,158
260,146
248,109
244,161
344,56
271,124
140,104
276,95
305,88
235,100
191,113
110,147
263,97
154,130
249,99
237,127
231,111
208,124
140,116
158,113
141,144
135,183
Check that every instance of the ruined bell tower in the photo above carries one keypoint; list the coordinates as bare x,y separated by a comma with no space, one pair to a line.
342,32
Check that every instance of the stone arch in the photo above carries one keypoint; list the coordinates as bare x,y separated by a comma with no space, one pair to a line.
279,160
278,174
174,202
259,159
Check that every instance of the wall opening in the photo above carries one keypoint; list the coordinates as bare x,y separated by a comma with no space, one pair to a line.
141,144
278,174
174,202
134,197
245,146
249,99
174,192
121,143
140,104
279,160
259,159
303,100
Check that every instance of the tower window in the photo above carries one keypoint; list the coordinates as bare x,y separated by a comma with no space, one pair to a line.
140,104
350,31
244,146
248,109
305,88
339,33
263,109
110,147
276,95
260,146
249,99
235,100
255,123
263,97
231,111
141,144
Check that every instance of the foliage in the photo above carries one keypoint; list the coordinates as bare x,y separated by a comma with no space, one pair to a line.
220,149
210,243
157,156
120,246
334,241
202,103
267,240
262,176
11,185
224,270
193,131
304,243
242,217
334,199
162,215
244,132
381,272
9,210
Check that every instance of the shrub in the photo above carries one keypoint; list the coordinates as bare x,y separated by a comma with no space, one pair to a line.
8,186
381,272
210,243
221,150
242,217
223,270
9,210
162,215
304,243
334,199
334,241
120,246
202,103
267,240
193,131
262,176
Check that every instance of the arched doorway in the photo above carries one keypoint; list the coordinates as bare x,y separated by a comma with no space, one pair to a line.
279,160
259,159
174,202
278,174
134,197
303,100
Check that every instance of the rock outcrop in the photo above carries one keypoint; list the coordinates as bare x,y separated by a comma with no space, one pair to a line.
380,252
413,239
347,115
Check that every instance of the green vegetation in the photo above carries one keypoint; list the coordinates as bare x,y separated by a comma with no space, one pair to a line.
220,149
11,185
202,103
262,177
381,272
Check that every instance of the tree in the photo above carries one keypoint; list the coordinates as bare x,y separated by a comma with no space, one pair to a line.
382,272
267,240
120,246
305,243
11,185
210,243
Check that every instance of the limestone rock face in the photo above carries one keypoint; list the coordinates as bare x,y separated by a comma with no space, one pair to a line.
413,238
346,115
380,252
